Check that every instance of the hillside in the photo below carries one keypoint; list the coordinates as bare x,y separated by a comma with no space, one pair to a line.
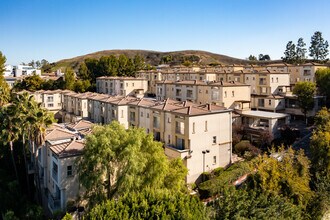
155,57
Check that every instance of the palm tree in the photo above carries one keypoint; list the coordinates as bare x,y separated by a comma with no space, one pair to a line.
10,130
39,120
24,105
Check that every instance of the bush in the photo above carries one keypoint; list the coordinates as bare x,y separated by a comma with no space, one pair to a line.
246,150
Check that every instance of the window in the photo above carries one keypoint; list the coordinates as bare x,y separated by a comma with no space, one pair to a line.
126,84
49,105
50,99
253,78
214,139
132,84
277,79
269,102
69,171
147,115
272,79
141,114
247,78
232,93
205,125
206,92
169,120
193,128
225,94
122,113
214,159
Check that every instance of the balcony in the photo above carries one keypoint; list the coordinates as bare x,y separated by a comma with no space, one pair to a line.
54,202
172,152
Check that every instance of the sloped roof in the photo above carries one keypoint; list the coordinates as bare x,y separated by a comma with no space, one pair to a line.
72,148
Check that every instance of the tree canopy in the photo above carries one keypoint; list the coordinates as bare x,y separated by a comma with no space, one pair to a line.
305,92
319,47
151,204
4,88
323,82
117,161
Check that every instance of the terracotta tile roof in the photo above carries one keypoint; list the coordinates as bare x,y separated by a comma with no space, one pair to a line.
60,134
120,78
203,83
72,148
80,125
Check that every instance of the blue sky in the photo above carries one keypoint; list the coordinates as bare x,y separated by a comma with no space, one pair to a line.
58,29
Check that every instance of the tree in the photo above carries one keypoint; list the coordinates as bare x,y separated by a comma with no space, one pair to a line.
31,83
301,51
252,58
253,204
319,48
4,88
127,161
320,157
10,130
305,92
151,204
83,72
290,53
286,173
263,57
69,79
323,82
82,85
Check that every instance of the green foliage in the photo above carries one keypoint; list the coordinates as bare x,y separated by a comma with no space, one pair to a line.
319,48
226,177
245,148
10,215
151,204
301,51
252,204
117,161
69,79
264,57
4,88
286,175
67,216
31,83
323,82
290,53
166,59
252,58
295,54
305,92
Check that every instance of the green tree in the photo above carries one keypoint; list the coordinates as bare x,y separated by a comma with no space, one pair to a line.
319,48
67,216
127,161
264,57
69,79
82,85
252,58
285,174
290,53
83,72
320,157
151,204
301,51
31,83
323,82
253,204
305,92
4,88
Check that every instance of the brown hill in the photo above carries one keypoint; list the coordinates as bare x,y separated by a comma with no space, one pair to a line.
155,57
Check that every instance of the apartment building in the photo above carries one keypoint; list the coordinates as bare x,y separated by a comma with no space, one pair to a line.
221,93
123,86
55,162
49,99
178,124
24,70
74,106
